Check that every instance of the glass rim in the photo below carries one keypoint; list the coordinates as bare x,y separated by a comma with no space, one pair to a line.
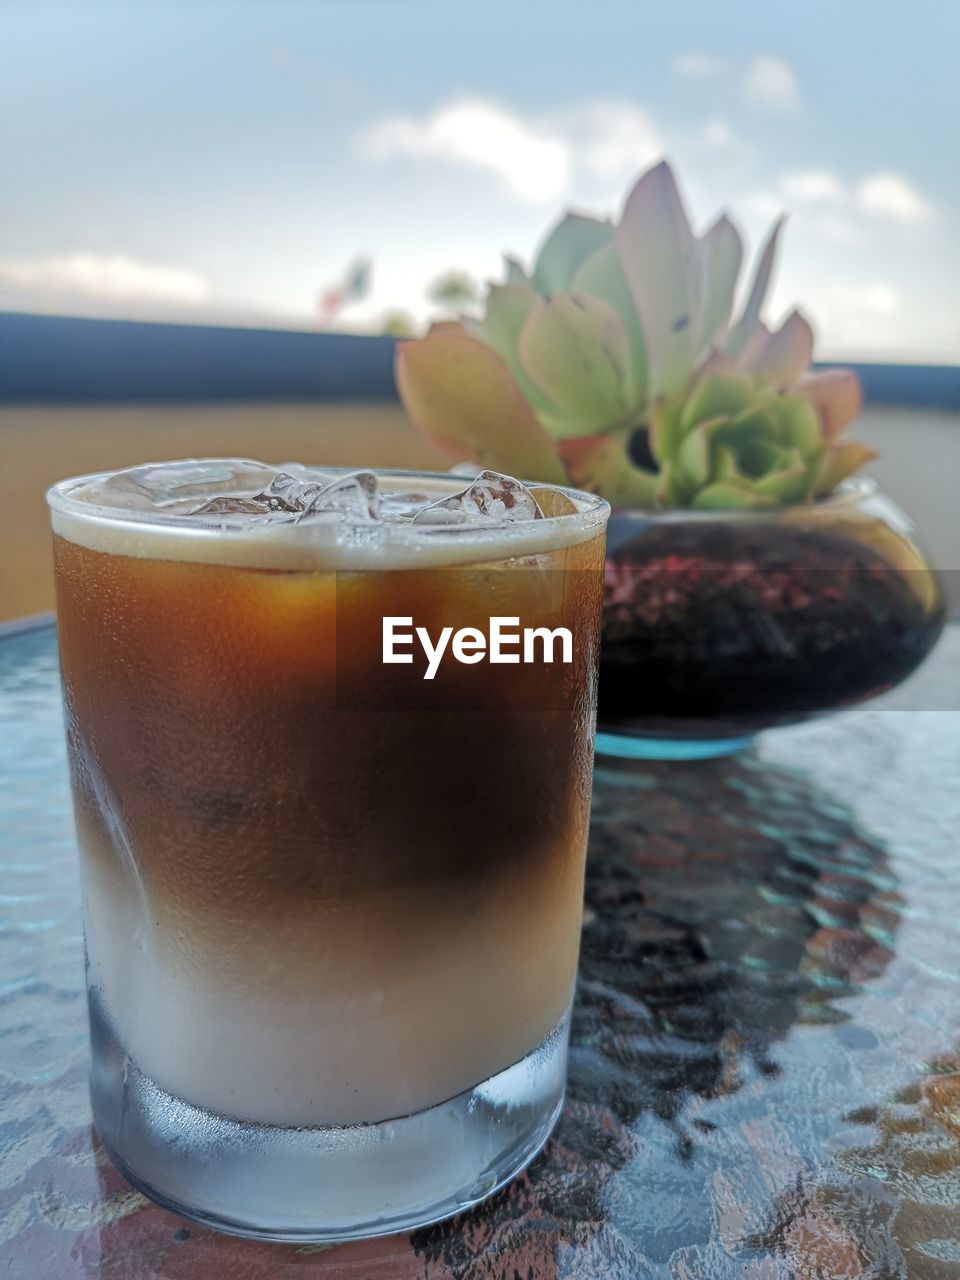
592,514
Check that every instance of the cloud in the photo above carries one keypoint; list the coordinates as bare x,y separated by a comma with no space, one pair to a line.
812,186
538,159
610,139
761,204
532,162
888,195
766,80
839,227
877,299
770,82
855,316
697,65
114,277
881,196
717,133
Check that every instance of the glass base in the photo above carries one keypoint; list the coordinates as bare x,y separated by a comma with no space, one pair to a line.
627,747
323,1183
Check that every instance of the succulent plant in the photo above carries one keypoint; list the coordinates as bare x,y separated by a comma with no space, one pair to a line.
617,365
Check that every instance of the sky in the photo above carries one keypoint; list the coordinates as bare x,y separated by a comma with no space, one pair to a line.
223,160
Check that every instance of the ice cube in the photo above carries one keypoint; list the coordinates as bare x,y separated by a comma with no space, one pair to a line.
297,497
553,502
356,494
174,486
231,506
288,494
491,497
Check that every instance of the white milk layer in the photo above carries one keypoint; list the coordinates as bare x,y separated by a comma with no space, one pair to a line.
341,1028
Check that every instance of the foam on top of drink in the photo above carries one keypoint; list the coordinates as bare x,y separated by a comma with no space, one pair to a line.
245,513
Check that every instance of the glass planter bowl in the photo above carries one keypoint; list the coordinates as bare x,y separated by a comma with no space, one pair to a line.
718,624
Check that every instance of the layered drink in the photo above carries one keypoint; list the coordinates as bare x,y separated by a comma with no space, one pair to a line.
332,812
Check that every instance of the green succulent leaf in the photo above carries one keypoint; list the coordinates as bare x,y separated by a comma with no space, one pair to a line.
665,430
720,393
786,484
727,468
741,333
462,395
694,456
508,308
670,492
575,349
733,442
515,273
754,423
725,493
814,463
756,456
799,425
721,256
567,246
662,266
602,276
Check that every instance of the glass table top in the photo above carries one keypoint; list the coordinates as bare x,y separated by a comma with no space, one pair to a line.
765,1059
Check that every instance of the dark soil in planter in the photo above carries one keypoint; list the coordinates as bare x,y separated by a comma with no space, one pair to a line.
733,627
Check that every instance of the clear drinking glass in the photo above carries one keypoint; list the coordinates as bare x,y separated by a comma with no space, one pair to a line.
332,908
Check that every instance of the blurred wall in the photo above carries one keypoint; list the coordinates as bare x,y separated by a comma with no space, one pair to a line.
920,463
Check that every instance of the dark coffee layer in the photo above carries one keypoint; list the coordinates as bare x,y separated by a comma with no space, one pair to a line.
262,757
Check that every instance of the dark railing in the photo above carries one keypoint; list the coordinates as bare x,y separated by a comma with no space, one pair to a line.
59,359
63,359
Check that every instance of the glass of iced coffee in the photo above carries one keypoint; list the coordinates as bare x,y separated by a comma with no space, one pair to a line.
331,742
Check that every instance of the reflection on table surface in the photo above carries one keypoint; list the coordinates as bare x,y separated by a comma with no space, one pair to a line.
765,1064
